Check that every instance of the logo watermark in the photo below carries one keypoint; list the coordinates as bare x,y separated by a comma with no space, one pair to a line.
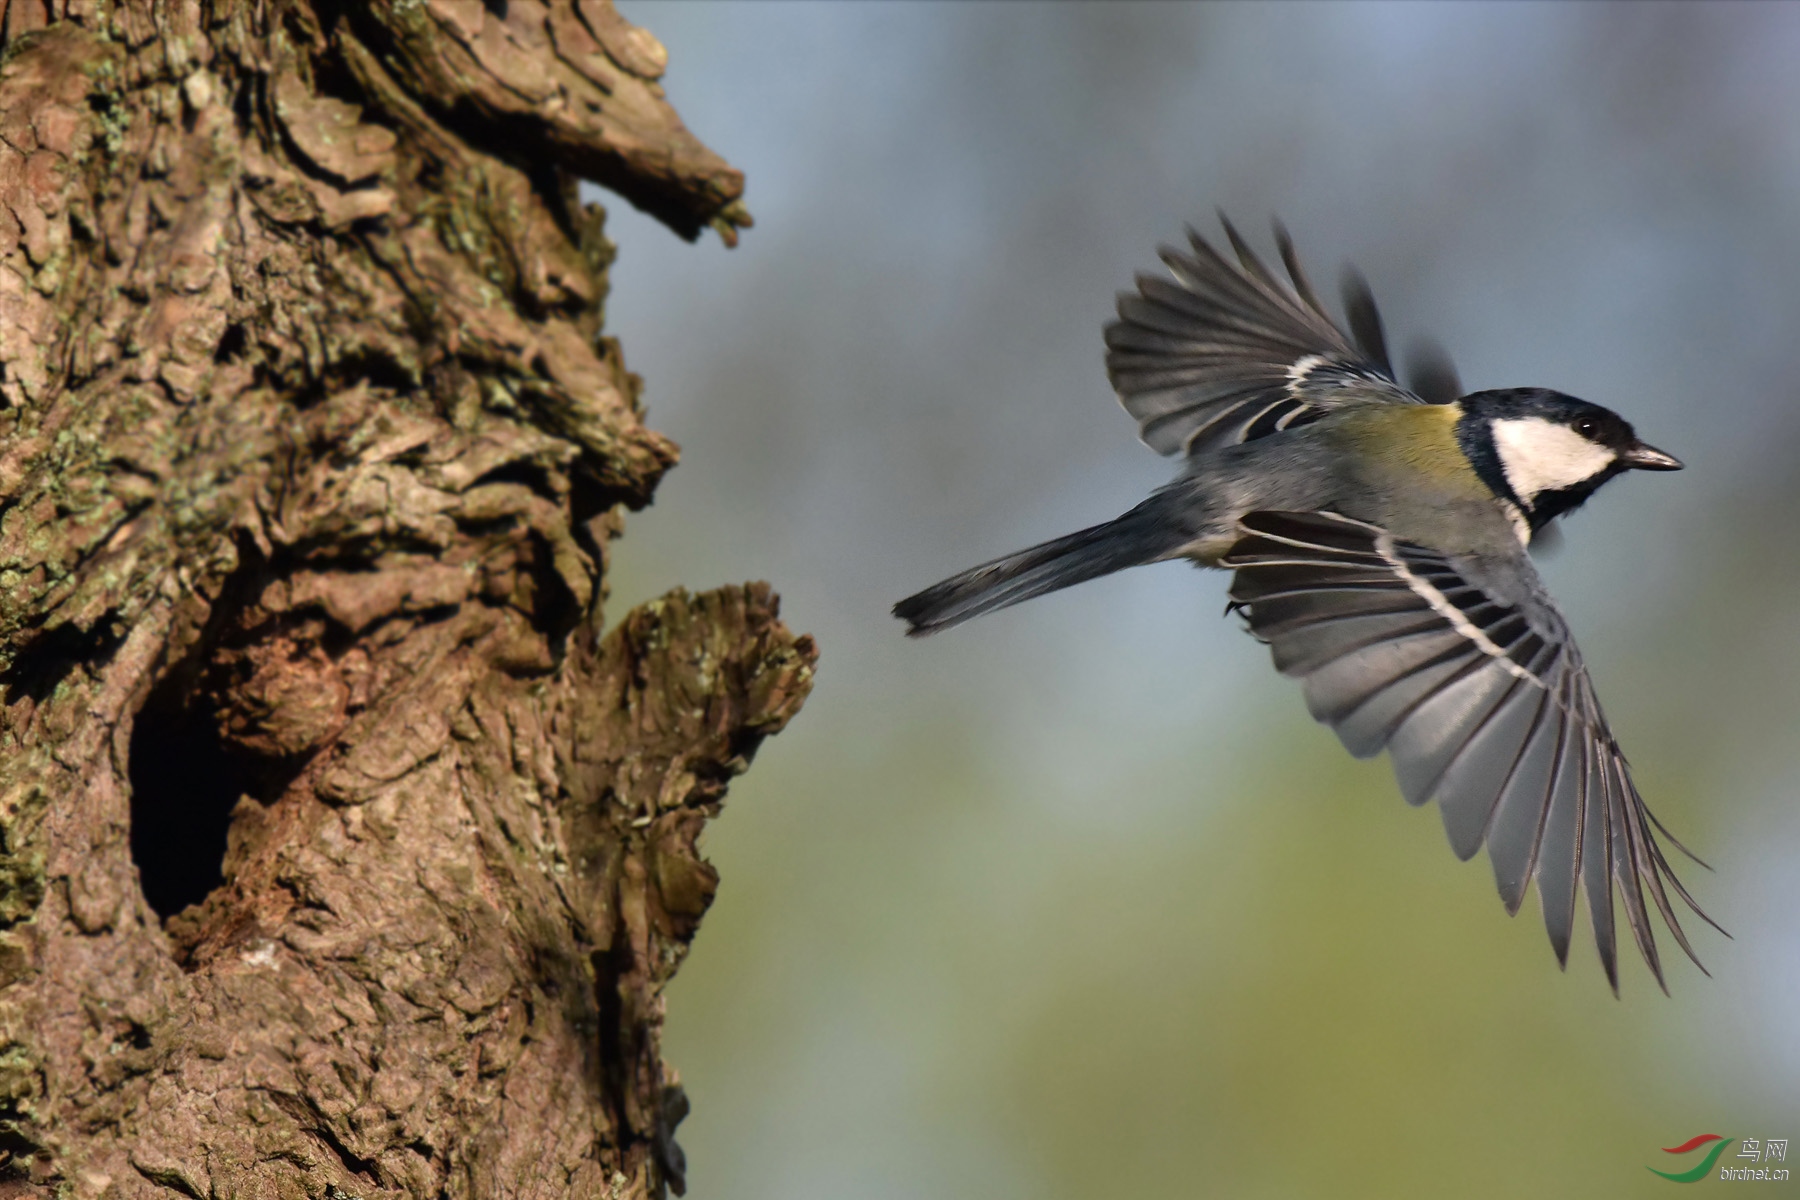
1760,1151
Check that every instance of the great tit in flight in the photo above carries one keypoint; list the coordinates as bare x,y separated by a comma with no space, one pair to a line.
1379,536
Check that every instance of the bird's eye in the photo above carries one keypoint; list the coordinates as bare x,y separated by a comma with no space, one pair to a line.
1587,427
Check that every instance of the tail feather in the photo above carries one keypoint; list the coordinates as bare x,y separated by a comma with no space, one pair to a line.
1131,540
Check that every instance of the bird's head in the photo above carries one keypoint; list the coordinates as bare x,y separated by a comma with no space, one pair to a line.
1547,452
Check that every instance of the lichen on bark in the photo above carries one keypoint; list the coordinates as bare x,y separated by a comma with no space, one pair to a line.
311,448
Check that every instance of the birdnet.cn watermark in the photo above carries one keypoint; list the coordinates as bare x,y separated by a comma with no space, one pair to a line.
1757,1160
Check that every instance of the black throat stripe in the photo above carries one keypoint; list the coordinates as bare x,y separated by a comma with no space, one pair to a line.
1476,437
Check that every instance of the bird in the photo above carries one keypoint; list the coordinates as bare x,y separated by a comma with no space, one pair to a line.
1379,537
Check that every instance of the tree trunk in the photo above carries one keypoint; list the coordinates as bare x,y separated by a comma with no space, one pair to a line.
340,854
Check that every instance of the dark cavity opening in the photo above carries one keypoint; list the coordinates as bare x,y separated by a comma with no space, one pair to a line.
184,783
231,343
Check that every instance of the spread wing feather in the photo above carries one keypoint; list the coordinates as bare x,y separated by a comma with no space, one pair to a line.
1482,704
1225,353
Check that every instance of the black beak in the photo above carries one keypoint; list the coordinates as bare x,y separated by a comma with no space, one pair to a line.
1648,458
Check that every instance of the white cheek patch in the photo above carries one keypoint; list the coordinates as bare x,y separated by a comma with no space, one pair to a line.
1542,456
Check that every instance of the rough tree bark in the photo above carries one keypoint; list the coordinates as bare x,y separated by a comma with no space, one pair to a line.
340,853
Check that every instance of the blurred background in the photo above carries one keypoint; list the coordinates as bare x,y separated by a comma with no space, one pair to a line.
1076,901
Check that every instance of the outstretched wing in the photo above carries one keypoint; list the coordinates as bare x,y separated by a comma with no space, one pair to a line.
1224,354
1480,699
